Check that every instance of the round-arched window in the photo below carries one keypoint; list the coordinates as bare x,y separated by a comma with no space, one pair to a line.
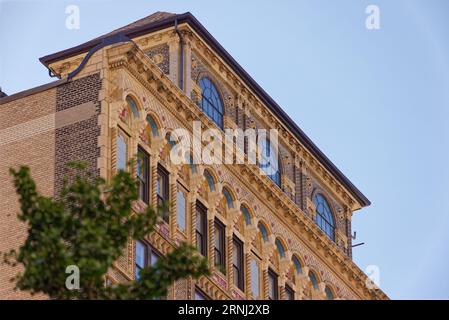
324,217
133,106
152,123
297,264
329,294
246,215
210,180
269,161
280,248
228,197
211,102
313,280
263,232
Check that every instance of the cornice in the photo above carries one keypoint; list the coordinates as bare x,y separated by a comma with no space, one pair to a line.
131,58
259,107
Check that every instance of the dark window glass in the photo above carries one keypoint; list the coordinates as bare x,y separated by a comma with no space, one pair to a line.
163,192
211,102
273,290
237,264
297,265
133,106
143,175
246,215
280,248
145,256
329,294
153,126
199,295
201,229
219,250
228,197
270,161
289,293
263,232
313,280
210,181
324,217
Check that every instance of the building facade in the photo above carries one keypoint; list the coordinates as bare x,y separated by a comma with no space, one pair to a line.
280,231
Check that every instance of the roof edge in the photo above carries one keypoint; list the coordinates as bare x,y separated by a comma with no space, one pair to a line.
29,92
260,92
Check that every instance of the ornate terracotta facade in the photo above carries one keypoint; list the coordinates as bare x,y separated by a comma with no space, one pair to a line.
148,69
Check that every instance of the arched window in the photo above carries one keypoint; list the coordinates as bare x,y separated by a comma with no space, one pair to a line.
228,197
313,280
324,217
152,123
210,180
269,161
211,102
246,215
263,232
133,106
280,248
297,264
329,294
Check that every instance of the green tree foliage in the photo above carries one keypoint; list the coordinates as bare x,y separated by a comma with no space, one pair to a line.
89,226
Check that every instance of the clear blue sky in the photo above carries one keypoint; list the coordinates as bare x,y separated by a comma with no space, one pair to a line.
376,102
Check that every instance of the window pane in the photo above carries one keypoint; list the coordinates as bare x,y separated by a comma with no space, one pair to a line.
153,258
121,153
142,167
211,103
272,285
200,296
289,294
140,254
255,279
220,261
237,261
181,210
201,229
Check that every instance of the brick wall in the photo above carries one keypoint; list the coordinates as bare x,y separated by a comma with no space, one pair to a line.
29,147
78,141
33,133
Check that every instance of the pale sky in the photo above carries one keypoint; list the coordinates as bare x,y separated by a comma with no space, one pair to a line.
375,101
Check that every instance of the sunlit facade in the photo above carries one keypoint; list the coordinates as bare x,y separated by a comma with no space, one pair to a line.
276,230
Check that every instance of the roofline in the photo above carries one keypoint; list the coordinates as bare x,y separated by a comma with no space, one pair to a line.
29,92
260,92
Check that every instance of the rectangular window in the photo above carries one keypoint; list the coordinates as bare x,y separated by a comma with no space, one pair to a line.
181,208
162,190
143,175
145,256
289,293
199,295
255,278
122,152
201,228
273,290
219,249
237,263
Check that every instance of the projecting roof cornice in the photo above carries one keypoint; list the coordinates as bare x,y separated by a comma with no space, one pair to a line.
130,57
168,20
